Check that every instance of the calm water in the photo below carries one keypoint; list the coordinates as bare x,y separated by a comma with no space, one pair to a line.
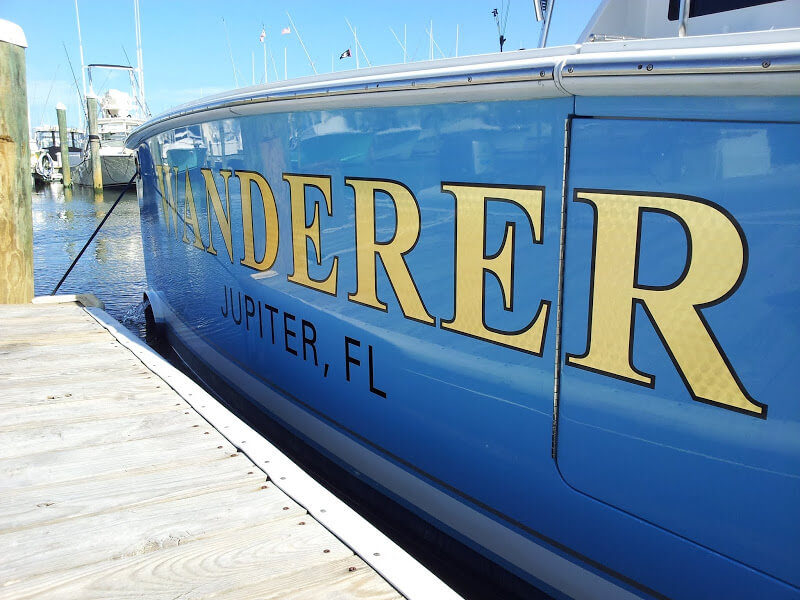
112,267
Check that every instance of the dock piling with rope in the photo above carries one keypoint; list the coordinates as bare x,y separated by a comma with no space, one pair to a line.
94,147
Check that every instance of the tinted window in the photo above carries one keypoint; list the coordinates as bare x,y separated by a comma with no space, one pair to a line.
709,7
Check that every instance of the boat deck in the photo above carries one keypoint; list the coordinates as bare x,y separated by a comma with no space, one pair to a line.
119,477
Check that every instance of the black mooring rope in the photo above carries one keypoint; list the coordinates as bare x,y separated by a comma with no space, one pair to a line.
108,214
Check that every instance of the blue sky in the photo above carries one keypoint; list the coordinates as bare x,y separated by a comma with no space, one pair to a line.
185,44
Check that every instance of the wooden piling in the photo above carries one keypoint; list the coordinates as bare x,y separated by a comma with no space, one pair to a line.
16,223
94,145
66,174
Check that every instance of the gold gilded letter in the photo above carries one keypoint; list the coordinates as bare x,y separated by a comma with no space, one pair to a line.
247,178
391,253
301,233
715,267
169,195
190,217
472,262
223,214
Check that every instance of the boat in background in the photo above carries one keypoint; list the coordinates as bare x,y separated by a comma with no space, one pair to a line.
544,302
45,147
120,113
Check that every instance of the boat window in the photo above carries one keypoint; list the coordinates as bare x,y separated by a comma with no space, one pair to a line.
118,136
699,8
45,139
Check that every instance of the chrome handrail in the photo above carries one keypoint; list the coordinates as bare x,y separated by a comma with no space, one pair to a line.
683,17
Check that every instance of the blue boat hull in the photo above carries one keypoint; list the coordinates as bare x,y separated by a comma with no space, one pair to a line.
558,329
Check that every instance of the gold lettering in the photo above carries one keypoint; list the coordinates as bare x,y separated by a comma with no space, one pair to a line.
714,269
302,233
190,217
223,214
247,178
391,253
472,263
169,199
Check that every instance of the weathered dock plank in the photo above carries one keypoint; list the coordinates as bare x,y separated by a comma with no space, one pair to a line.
133,529
112,485
24,508
77,408
21,441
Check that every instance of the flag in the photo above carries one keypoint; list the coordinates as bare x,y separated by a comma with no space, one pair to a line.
345,54
285,30
262,36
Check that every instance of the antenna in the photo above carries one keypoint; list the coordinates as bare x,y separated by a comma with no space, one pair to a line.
136,87
433,43
139,62
235,77
401,44
80,46
297,33
358,45
272,59
355,38
81,100
264,44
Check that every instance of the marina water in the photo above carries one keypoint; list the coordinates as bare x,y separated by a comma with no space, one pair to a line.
112,268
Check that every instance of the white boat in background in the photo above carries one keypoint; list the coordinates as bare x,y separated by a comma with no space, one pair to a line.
120,114
45,148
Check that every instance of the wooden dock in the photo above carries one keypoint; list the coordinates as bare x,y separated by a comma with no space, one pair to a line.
120,478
